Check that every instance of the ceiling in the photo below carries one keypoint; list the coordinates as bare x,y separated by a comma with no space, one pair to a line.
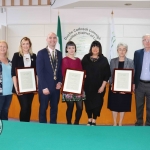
79,4
88,4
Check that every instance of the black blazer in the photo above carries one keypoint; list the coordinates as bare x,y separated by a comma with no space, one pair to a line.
138,62
17,61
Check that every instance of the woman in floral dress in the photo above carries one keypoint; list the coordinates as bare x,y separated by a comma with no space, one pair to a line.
72,62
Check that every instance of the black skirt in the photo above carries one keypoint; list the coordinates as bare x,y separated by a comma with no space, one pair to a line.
119,102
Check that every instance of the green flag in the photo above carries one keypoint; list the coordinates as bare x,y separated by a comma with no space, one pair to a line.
59,34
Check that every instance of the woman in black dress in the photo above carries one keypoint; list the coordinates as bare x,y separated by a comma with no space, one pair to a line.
97,74
119,101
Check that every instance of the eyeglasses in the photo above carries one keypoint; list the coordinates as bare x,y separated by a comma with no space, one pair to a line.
146,40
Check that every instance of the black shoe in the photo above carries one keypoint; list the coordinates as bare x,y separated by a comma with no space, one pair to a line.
93,124
89,123
76,123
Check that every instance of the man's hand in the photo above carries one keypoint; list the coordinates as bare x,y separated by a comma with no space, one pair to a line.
58,85
46,91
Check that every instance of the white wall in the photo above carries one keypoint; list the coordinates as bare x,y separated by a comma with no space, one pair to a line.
36,22
2,32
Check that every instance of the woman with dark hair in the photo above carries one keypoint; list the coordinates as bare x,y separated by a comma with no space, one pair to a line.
97,74
24,58
72,62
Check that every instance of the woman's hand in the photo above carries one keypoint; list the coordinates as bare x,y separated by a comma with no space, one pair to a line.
133,87
122,93
111,86
17,92
101,89
15,85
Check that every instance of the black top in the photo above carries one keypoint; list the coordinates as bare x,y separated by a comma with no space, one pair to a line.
17,61
97,71
121,65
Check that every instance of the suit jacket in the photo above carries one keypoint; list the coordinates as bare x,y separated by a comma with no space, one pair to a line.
45,72
128,64
138,61
17,61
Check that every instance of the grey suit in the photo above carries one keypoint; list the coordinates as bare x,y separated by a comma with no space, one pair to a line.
128,64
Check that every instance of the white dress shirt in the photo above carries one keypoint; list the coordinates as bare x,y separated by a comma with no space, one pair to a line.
27,60
51,51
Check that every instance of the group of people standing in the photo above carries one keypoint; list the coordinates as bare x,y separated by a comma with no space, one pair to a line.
50,71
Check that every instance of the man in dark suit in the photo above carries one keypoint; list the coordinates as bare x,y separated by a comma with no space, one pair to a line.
142,81
49,78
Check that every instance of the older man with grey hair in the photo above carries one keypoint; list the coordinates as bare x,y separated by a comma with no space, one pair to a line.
142,81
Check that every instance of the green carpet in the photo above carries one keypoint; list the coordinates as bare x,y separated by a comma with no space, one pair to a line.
37,136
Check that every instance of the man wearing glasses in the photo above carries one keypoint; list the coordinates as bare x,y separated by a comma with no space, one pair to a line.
142,81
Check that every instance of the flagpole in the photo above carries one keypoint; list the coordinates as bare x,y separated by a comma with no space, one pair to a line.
112,12
59,34
112,50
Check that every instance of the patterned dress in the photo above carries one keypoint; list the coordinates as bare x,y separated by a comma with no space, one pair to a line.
68,63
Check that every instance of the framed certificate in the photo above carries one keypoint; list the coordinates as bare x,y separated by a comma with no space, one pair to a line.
122,80
73,81
26,80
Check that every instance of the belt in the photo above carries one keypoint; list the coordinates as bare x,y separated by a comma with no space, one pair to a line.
144,81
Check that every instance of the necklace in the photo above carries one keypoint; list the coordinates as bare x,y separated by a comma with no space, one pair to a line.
54,67
94,59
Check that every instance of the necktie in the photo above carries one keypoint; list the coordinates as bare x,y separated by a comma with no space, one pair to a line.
53,57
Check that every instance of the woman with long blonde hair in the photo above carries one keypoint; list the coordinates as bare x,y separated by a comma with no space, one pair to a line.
24,58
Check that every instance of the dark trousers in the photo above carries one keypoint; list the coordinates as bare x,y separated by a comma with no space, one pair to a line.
25,101
53,98
92,113
142,92
5,102
79,107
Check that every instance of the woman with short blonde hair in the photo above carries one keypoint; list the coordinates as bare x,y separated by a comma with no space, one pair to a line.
119,102
2,41
5,81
